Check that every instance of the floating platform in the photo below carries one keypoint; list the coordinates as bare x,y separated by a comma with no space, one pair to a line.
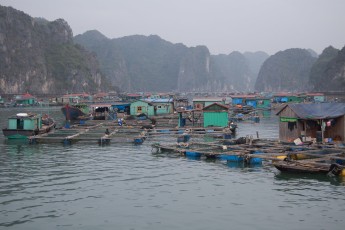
99,133
316,159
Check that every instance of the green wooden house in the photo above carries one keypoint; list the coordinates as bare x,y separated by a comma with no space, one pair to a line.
152,107
1,100
216,115
22,125
25,99
315,97
263,103
287,98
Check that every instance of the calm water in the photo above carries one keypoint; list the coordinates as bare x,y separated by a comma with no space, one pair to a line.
130,187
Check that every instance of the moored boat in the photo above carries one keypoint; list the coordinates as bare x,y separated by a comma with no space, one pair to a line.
311,168
24,125
74,112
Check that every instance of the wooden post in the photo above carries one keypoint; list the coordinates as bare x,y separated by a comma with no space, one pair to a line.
322,131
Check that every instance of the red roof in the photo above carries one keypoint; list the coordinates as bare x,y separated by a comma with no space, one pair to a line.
133,95
244,96
315,94
101,94
284,94
218,104
27,96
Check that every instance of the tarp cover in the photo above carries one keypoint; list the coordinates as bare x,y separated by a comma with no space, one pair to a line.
319,110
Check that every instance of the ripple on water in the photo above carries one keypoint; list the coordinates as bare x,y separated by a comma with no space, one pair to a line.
86,186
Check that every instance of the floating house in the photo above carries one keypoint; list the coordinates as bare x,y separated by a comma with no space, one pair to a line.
315,97
122,107
190,118
102,112
152,107
255,101
108,111
263,103
244,100
287,98
181,104
101,96
23,125
74,98
200,103
323,121
335,96
216,115
132,97
25,99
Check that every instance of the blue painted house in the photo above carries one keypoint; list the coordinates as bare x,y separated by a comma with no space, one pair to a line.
244,99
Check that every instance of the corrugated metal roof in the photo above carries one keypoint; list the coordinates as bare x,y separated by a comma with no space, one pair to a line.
317,111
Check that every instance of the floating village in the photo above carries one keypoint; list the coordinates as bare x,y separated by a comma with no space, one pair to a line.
311,126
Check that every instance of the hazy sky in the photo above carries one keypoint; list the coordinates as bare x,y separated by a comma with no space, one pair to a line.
221,25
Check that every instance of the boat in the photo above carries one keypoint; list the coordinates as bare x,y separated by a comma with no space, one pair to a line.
75,112
24,125
310,168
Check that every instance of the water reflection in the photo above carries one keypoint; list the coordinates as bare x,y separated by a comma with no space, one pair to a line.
298,178
79,186
18,147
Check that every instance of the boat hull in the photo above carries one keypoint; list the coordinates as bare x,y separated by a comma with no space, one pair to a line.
18,134
72,113
300,168
25,134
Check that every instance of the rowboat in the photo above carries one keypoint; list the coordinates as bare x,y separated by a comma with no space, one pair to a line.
309,167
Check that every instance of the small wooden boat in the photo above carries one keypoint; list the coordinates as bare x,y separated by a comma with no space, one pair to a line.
24,125
311,168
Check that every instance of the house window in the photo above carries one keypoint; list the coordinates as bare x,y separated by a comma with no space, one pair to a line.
159,107
139,109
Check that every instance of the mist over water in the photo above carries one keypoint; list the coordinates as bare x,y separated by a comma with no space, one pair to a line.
88,186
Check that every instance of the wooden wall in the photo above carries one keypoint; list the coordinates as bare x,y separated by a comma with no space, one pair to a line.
285,133
289,132
336,131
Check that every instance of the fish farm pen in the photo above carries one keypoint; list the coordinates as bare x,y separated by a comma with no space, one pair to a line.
166,137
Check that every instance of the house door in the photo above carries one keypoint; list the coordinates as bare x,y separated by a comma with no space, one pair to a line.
139,109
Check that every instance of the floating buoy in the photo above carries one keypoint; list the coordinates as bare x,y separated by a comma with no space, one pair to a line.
281,157
342,172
